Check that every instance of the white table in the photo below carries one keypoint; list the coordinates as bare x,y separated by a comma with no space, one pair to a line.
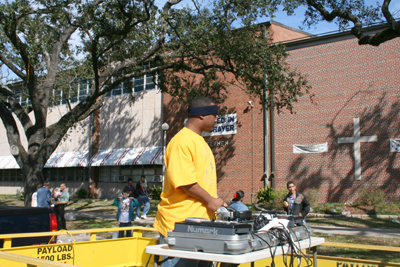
164,250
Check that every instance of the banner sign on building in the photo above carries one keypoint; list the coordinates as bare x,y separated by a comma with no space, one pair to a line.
394,145
226,124
320,148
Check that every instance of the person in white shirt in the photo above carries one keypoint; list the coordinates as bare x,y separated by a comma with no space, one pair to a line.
125,212
34,197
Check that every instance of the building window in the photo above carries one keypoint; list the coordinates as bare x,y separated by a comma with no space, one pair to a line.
123,173
80,174
6,175
19,175
144,83
83,89
73,92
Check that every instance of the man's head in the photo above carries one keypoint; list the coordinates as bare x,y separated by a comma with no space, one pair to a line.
46,184
130,181
125,193
291,187
143,178
62,187
202,114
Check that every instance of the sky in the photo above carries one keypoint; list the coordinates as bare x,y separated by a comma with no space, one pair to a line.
295,21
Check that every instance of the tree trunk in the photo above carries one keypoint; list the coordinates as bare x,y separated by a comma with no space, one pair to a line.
32,175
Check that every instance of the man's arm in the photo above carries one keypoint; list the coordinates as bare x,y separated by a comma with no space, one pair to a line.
306,207
48,197
64,202
197,192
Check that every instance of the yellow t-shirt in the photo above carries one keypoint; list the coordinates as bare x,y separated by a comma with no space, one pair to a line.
188,160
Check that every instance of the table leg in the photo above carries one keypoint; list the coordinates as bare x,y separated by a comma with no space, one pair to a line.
156,258
314,252
231,264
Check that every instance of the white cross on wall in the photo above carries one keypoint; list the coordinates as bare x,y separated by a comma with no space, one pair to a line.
357,139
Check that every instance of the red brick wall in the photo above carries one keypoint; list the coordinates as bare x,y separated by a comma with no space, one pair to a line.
282,33
349,81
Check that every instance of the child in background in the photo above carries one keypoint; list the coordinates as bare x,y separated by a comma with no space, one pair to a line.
56,196
125,212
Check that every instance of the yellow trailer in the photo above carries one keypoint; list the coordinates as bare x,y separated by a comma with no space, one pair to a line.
131,251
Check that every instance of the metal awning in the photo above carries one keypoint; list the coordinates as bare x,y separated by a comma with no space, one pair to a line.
128,156
8,162
109,157
68,159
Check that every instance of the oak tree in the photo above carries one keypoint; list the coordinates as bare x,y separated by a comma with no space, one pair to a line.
49,44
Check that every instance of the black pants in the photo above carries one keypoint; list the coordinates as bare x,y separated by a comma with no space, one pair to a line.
128,232
59,210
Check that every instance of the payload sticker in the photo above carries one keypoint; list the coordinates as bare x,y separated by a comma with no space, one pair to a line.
55,253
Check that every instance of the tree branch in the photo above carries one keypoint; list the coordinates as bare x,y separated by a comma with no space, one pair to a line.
11,127
393,31
12,67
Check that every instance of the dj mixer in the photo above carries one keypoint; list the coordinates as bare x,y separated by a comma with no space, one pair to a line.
236,232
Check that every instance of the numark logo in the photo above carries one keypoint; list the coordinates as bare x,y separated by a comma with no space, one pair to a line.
212,231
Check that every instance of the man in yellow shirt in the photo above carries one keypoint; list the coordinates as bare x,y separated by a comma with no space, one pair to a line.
190,186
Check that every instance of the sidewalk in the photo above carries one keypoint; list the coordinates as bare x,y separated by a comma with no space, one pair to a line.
374,232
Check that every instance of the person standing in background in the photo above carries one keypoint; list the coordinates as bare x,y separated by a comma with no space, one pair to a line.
295,203
142,193
60,206
34,196
44,195
130,187
125,211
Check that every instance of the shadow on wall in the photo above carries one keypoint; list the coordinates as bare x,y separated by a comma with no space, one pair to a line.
378,164
121,123
223,147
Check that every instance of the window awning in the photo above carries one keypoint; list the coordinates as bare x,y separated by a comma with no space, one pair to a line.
68,159
8,162
109,157
128,156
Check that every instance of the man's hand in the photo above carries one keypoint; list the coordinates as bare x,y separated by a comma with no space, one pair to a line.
215,203
285,204
196,191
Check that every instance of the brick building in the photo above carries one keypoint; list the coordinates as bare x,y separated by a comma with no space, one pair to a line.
355,87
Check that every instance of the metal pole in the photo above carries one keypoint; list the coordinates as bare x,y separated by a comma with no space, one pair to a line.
163,172
252,154
266,145
165,128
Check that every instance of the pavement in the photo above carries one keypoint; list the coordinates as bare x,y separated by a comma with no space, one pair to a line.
373,232
329,230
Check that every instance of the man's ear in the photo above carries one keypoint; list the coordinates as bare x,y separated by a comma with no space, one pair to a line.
201,117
